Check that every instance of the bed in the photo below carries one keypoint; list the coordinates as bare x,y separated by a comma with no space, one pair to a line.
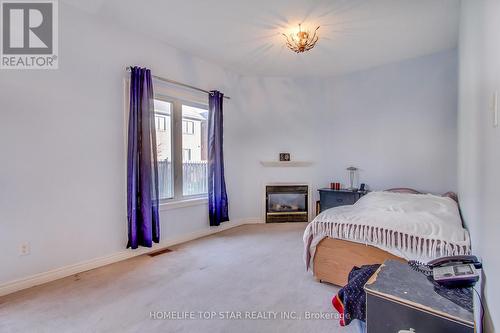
401,224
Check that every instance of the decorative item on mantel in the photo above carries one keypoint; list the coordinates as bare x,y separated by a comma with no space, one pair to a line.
352,175
284,157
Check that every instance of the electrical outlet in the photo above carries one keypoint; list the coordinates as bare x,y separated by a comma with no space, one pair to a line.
24,249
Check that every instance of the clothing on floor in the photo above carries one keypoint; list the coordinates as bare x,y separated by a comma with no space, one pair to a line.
350,301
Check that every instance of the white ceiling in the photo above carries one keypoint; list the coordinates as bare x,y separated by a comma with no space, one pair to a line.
245,35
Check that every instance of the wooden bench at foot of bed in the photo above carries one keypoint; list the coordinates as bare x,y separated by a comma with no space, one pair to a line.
334,259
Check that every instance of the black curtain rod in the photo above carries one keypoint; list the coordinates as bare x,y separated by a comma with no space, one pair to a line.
179,83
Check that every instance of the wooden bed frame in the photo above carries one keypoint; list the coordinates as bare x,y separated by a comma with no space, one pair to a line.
335,258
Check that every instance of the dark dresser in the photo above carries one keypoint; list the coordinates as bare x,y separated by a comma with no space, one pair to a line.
399,299
329,198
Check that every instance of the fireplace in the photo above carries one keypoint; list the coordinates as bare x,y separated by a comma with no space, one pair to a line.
287,203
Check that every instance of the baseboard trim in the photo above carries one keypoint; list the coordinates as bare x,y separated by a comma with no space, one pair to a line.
254,220
65,271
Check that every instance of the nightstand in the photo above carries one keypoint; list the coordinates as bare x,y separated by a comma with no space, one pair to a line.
399,299
332,198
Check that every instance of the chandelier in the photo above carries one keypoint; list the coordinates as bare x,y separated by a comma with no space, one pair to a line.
301,41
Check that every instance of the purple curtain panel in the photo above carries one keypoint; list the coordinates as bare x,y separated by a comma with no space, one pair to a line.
217,196
142,170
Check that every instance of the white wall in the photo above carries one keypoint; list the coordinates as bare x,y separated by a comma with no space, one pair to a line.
396,122
62,146
479,141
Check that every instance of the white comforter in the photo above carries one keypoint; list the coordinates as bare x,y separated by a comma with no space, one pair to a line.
411,226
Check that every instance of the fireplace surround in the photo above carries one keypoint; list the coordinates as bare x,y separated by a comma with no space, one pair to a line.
287,203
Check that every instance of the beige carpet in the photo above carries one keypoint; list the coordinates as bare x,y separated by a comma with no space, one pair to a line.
249,268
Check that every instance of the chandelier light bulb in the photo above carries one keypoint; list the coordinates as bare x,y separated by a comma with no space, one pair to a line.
302,40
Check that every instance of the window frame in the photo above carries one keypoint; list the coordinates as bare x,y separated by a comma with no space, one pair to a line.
176,149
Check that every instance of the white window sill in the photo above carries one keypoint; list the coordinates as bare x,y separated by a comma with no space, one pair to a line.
169,205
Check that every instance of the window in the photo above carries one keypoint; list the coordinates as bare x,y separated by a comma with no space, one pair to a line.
194,140
163,111
187,127
186,154
181,130
161,123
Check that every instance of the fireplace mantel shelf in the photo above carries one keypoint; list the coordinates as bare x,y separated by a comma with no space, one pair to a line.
275,164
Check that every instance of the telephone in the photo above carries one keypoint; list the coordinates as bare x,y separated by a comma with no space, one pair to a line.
451,272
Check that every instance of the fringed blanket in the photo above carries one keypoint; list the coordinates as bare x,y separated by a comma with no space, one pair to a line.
411,226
